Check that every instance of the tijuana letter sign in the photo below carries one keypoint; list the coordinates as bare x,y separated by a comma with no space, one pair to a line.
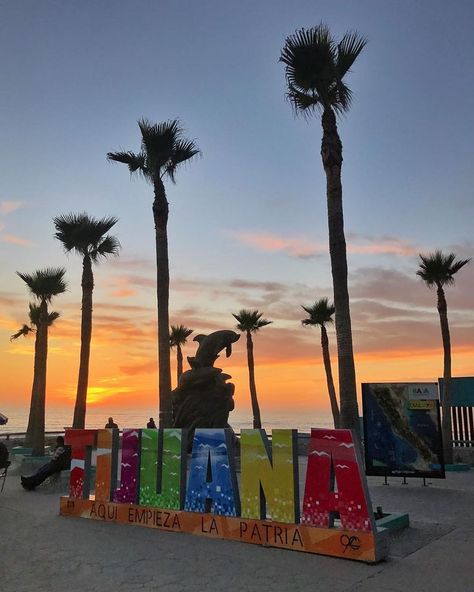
158,490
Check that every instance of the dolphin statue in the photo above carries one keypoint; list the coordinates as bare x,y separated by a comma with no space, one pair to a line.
210,346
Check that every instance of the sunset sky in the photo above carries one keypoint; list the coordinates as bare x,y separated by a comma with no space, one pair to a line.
248,220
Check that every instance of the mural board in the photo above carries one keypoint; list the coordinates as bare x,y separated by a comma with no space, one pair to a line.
402,430
336,518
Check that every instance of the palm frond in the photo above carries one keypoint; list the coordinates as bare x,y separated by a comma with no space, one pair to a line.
82,233
348,50
320,313
35,315
158,142
303,102
183,151
342,97
24,331
53,316
309,56
110,245
179,335
315,66
250,320
136,163
438,269
163,149
45,283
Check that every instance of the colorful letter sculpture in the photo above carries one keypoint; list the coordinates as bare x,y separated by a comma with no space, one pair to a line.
333,459
335,518
269,480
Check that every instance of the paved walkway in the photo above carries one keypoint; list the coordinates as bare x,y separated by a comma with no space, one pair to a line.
41,551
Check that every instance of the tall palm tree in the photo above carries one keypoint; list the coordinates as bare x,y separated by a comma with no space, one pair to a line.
248,322
43,284
321,314
438,270
178,337
163,150
87,237
315,67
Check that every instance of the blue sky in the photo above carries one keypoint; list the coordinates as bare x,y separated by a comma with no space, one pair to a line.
76,76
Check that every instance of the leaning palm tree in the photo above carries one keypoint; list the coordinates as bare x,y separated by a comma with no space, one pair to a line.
438,270
178,337
321,314
163,150
88,238
43,284
315,67
250,321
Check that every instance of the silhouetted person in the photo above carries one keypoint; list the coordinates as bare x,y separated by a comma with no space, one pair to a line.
151,424
60,460
4,462
111,424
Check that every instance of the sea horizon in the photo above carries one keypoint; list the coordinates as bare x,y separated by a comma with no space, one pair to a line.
59,419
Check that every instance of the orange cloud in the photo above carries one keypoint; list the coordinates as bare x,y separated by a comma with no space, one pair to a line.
292,246
15,240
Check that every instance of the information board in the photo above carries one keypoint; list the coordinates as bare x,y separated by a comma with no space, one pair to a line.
402,430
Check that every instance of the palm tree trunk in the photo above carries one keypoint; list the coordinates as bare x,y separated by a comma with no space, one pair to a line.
86,336
257,422
329,378
179,362
446,426
160,216
331,154
36,421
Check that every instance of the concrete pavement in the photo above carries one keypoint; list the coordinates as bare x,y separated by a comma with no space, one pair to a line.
41,551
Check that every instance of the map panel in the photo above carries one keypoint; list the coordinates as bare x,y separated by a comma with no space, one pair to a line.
402,430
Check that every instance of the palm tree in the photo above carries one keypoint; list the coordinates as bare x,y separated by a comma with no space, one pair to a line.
315,66
43,284
321,314
87,237
178,337
250,321
163,150
438,270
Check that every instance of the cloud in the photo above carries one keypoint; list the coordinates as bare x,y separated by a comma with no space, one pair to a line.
128,308
393,286
11,299
15,240
125,286
385,245
303,248
130,262
295,247
6,207
148,367
463,250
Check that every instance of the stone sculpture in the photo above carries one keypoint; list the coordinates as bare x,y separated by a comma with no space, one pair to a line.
203,398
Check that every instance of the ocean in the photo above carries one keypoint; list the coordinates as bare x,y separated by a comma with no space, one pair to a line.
58,419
